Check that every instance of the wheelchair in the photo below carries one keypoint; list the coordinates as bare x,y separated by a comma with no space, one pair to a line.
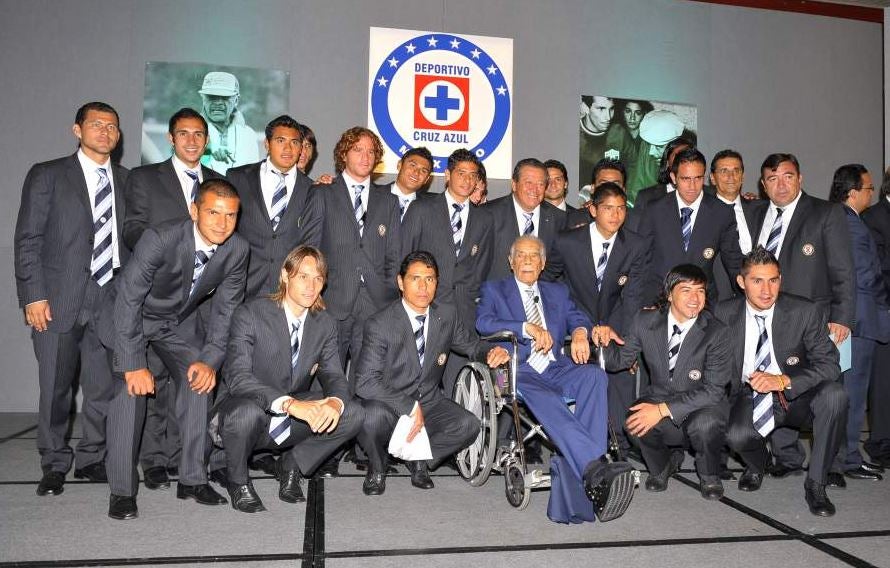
486,393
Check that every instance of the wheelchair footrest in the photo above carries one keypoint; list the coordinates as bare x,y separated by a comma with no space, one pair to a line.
537,479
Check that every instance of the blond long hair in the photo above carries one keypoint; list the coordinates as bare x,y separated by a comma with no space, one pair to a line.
292,265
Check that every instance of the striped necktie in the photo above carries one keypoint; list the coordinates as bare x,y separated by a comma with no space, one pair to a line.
674,349
533,316
201,260
279,425
772,242
686,224
601,266
101,264
457,226
764,421
195,183
529,224
403,207
418,338
358,210
279,201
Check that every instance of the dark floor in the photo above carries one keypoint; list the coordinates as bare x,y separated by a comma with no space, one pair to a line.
453,524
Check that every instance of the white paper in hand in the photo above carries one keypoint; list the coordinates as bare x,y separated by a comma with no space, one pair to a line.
417,449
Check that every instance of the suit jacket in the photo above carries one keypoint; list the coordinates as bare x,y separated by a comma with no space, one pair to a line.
506,230
427,226
624,281
815,257
154,196
388,368
501,308
701,373
268,248
578,217
152,295
54,237
801,346
371,259
258,358
714,232
877,218
872,307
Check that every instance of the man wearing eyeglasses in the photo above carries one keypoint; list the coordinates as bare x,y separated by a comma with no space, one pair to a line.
689,226
523,212
67,252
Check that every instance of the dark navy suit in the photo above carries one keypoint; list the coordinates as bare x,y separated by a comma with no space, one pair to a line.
581,437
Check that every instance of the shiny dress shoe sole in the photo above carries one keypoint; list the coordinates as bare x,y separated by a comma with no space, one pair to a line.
202,494
122,508
52,483
155,478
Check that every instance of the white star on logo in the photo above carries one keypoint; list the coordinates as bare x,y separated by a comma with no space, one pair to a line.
403,149
382,81
475,53
432,41
436,164
393,62
492,70
454,43
410,47
502,90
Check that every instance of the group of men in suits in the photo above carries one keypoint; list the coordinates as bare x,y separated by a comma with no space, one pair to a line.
173,279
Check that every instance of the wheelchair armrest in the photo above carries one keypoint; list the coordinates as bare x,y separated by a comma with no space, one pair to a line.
505,335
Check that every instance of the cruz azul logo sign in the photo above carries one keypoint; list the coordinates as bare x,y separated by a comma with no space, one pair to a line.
442,91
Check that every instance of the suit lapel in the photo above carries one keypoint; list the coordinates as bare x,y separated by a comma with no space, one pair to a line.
610,276
255,188
186,251
514,299
672,221
277,321
691,342
119,204
801,212
658,329
76,179
341,194
310,343
433,340
170,182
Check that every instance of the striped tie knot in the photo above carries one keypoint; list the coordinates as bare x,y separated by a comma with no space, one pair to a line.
201,260
196,183
529,223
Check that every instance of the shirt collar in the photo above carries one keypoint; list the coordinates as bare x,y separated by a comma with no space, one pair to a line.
749,309
684,327
597,237
291,318
351,181
269,167
87,163
413,314
736,201
180,167
694,205
521,211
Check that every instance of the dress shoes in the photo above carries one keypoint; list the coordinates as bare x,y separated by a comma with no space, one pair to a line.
289,489
52,483
659,482
94,472
836,480
220,476
122,508
244,498
266,464
173,470
862,472
711,488
329,469
872,467
203,494
420,475
725,474
817,499
156,478
779,470
750,481
375,483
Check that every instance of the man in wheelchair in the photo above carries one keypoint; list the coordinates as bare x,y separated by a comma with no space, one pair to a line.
536,312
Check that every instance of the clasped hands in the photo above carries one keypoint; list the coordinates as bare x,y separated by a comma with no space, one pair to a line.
322,415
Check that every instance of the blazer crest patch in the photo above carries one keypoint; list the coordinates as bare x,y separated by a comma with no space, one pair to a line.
808,249
381,230
622,280
475,250
708,253
694,375
441,359
313,370
791,361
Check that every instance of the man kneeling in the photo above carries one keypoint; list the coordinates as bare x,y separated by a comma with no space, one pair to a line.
400,369
277,347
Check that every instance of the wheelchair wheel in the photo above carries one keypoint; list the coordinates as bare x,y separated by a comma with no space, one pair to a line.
518,494
473,391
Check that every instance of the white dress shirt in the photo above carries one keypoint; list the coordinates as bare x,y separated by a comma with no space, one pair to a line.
787,214
185,182
752,335
520,218
744,233
269,181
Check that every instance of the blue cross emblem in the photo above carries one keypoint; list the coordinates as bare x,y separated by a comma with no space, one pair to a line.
441,102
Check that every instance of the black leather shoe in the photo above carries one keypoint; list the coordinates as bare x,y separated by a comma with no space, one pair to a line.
863,473
289,489
203,494
52,483
220,476
94,472
712,489
173,470
266,464
122,508
329,469
750,481
375,483
659,482
872,467
726,475
420,475
156,478
836,480
245,499
781,470
817,499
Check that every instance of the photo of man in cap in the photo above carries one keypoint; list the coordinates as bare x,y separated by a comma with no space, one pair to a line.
231,141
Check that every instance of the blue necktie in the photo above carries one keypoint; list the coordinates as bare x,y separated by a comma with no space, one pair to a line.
686,224
279,426
764,421
103,253
529,224
601,266
201,260
674,349
358,210
418,338
772,242
456,227
279,203
195,183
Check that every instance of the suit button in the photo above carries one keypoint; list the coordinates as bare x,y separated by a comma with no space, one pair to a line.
361,245
274,237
